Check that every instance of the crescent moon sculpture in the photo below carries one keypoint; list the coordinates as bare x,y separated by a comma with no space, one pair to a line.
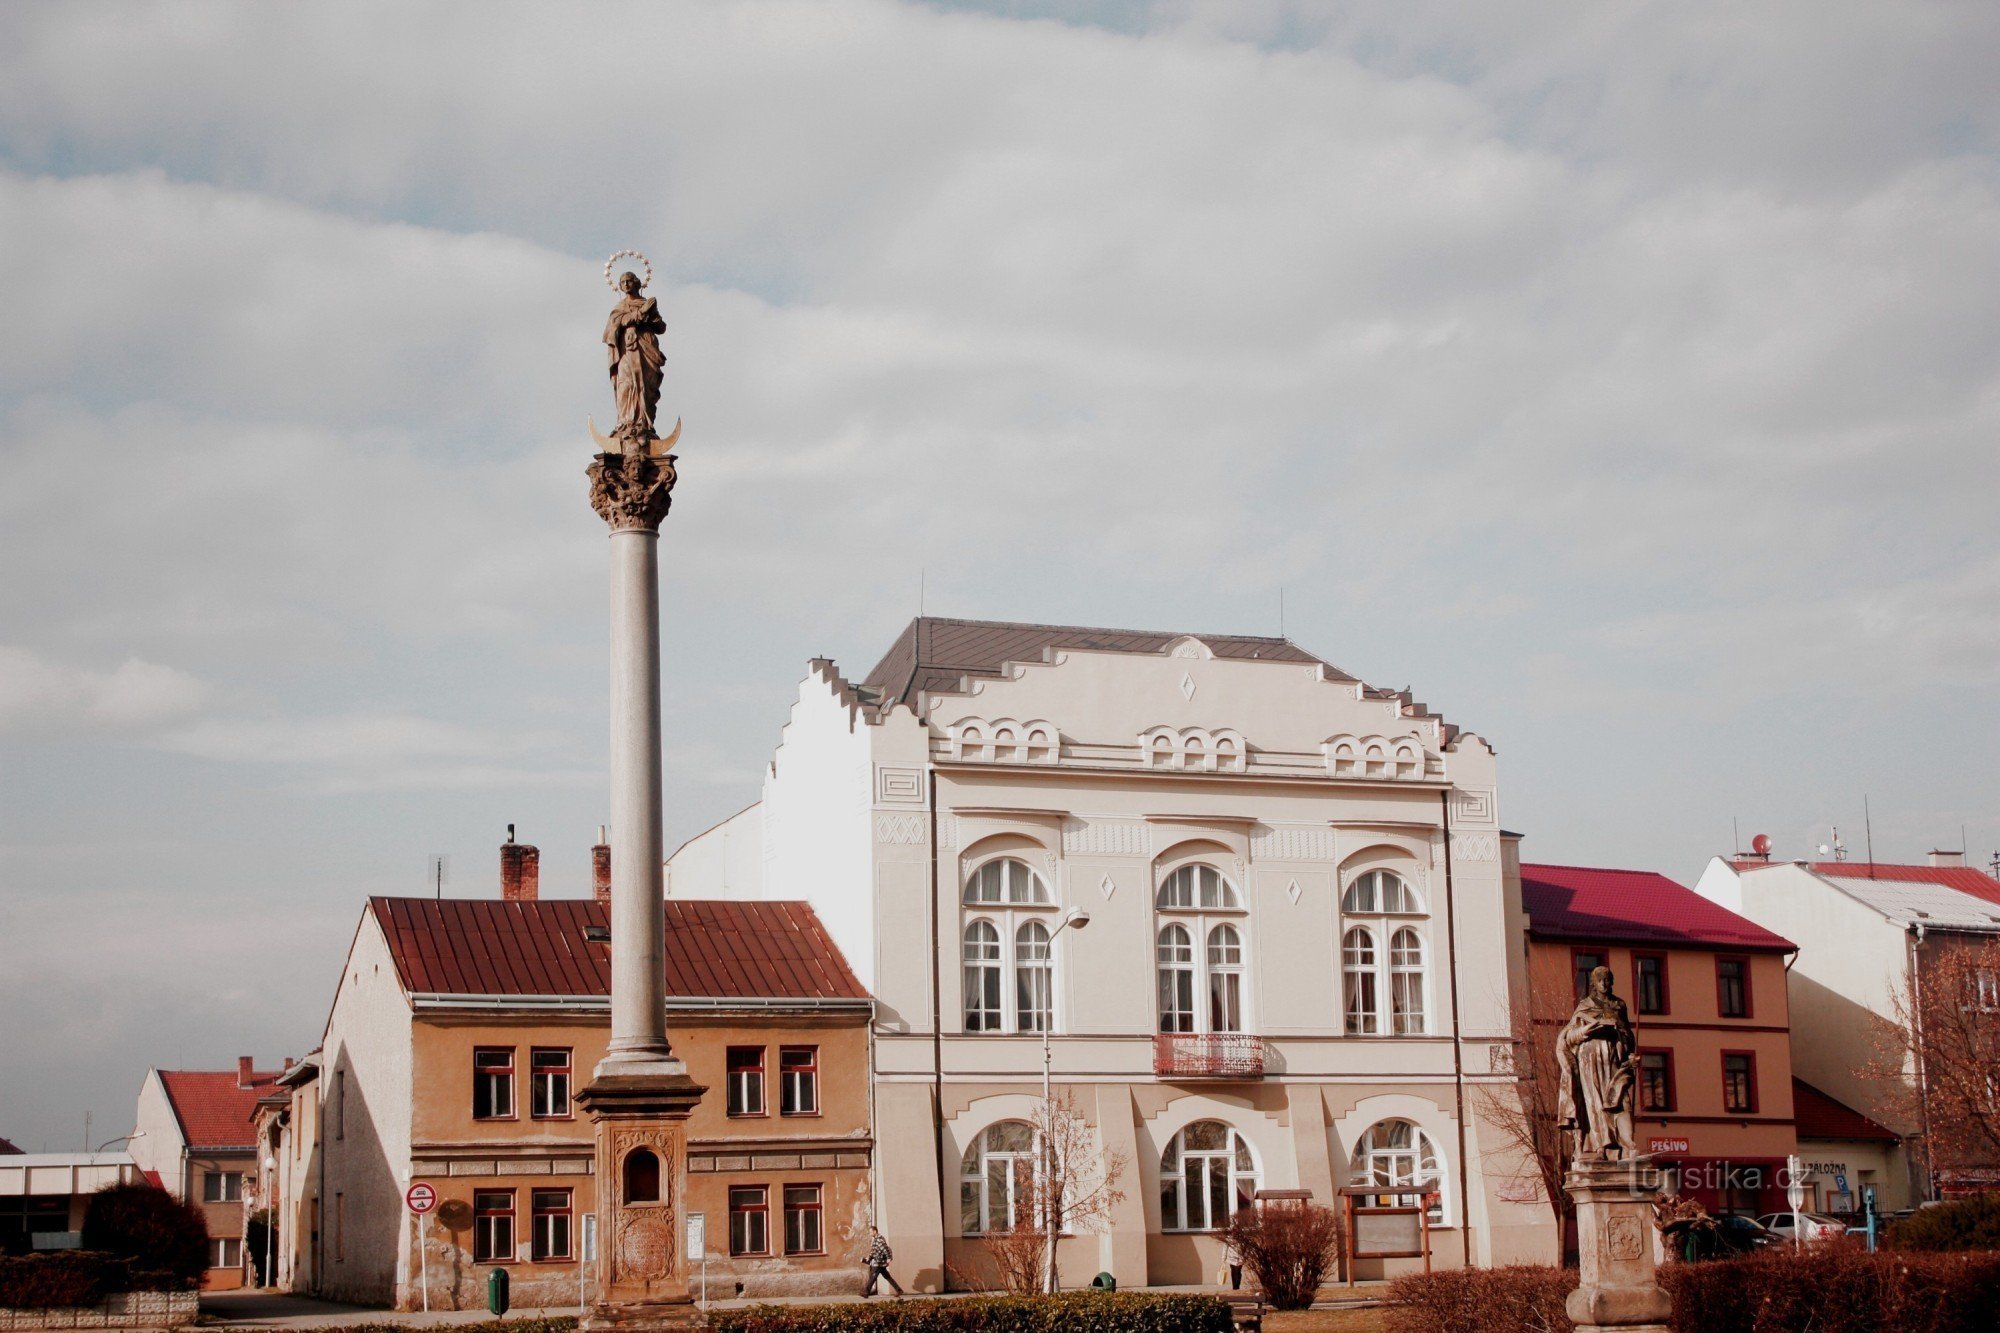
658,447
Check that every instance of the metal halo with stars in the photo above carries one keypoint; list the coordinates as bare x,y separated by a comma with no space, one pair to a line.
645,279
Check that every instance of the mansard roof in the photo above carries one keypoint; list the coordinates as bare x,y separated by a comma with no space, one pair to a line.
936,653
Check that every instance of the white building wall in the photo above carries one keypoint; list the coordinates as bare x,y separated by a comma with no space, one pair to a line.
726,861
157,1144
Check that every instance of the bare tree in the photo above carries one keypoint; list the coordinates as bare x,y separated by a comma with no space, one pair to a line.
1072,1188
1524,1111
1939,1062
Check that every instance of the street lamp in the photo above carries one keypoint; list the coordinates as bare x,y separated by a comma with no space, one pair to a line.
122,1138
1079,918
270,1216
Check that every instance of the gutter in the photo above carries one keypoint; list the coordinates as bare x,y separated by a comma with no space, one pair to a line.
681,1003
1457,1035
937,1022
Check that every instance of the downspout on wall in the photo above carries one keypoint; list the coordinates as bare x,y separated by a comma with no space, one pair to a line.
1457,1037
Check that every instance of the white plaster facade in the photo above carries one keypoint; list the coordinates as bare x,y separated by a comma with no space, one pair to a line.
1274,784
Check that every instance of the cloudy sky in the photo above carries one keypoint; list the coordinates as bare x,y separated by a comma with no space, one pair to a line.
1621,377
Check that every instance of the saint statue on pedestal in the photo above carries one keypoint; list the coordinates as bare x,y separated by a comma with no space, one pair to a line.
1597,1059
632,343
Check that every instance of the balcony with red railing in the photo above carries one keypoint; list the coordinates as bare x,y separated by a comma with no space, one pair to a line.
1226,1055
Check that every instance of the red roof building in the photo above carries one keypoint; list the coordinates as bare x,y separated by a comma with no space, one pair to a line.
1706,991
194,1136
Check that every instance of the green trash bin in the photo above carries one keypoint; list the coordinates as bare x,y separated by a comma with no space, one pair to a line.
496,1291
1104,1282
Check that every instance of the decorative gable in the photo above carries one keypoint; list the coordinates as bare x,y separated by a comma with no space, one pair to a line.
1005,740
1388,757
1222,750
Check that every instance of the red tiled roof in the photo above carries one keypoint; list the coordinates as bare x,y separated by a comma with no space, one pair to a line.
933,652
1637,906
1965,879
714,949
1819,1116
214,1112
7,1149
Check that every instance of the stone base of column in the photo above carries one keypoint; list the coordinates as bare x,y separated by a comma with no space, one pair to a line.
1614,1230
640,1121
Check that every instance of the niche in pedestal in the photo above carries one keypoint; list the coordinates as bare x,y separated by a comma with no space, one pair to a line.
641,1130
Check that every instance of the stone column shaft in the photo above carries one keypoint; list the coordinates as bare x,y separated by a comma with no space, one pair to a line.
638,915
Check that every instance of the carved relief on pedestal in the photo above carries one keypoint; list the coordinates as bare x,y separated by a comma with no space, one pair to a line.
646,1243
643,1204
631,490
1622,1239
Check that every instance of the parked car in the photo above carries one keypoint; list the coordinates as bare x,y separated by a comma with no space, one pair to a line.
1817,1226
1715,1237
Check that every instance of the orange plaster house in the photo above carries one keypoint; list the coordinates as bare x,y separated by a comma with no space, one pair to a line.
194,1137
462,1031
1706,990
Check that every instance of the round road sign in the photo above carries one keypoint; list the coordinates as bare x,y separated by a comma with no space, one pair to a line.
421,1197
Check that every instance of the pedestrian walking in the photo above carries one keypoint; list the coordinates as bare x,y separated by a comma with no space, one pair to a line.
879,1255
1234,1258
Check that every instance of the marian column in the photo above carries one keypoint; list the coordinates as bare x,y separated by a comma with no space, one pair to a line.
640,1096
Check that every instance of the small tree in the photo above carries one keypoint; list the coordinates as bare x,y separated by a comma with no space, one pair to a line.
1288,1247
1524,1111
152,1228
1939,1061
1074,1187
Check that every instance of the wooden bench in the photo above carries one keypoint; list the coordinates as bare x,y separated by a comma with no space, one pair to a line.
1246,1309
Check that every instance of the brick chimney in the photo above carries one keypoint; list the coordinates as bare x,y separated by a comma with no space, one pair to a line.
1939,858
520,870
243,1071
600,867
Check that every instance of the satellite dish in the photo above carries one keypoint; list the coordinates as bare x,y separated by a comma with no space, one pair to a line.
1761,844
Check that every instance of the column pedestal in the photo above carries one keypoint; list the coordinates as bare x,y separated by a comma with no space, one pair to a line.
642,1274
1614,1230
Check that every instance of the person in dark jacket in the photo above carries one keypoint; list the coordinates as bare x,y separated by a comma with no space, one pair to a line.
879,1255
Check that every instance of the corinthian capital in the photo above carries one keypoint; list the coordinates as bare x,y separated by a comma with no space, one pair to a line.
631,490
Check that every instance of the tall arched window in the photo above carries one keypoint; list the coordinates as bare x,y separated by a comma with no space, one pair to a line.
1011,913
1406,981
982,978
1176,980
1206,1175
1191,898
996,1186
1358,976
1400,1159
1225,979
1391,913
1034,989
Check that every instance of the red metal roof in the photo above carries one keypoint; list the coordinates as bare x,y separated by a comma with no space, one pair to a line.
1965,879
1819,1116
7,1149
1633,906
714,949
213,1109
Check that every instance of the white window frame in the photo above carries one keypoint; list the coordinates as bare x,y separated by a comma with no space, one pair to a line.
1381,905
1005,894
1177,1191
1206,913
1021,1166
1403,1171
1181,967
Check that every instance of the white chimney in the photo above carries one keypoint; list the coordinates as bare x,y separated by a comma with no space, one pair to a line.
1947,858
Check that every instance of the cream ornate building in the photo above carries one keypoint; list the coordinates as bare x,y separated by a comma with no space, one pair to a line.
1303,933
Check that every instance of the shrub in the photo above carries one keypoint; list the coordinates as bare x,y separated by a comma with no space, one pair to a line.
1835,1290
1072,1312
156,1231
1289,1247
1962,1224
1522,1299
60,1278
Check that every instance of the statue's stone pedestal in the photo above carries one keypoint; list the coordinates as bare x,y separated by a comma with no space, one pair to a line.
640,1119
1614,1233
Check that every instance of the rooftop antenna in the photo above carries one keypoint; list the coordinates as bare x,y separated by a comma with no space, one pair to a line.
921,573
1281,610
1868,828
1735,838
440,871
1836,849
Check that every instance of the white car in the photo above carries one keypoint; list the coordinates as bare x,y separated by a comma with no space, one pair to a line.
1817,1226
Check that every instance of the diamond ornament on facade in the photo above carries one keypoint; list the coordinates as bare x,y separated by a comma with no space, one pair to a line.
1187,686
1293,891
1106,887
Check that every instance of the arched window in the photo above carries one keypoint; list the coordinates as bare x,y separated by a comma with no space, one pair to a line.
982,978
1197,888
1225,979
1176,980
1370,971
996,1186
642,1176
1034,990
1206,1175
1380,892
1195,893
1400,1159
1406,981
1006,881
1357,966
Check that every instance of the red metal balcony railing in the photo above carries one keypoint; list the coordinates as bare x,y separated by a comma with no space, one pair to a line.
1208,1055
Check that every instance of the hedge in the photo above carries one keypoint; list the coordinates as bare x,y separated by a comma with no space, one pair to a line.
58,1279
1522,1299
1962,1224
1072,1312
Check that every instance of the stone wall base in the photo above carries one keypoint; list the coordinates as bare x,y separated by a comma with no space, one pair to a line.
133,1311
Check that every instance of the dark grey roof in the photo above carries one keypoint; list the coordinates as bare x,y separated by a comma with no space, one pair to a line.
935,653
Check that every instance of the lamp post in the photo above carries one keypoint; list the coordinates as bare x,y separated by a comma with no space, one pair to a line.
270,1216
122,1138
1079,918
